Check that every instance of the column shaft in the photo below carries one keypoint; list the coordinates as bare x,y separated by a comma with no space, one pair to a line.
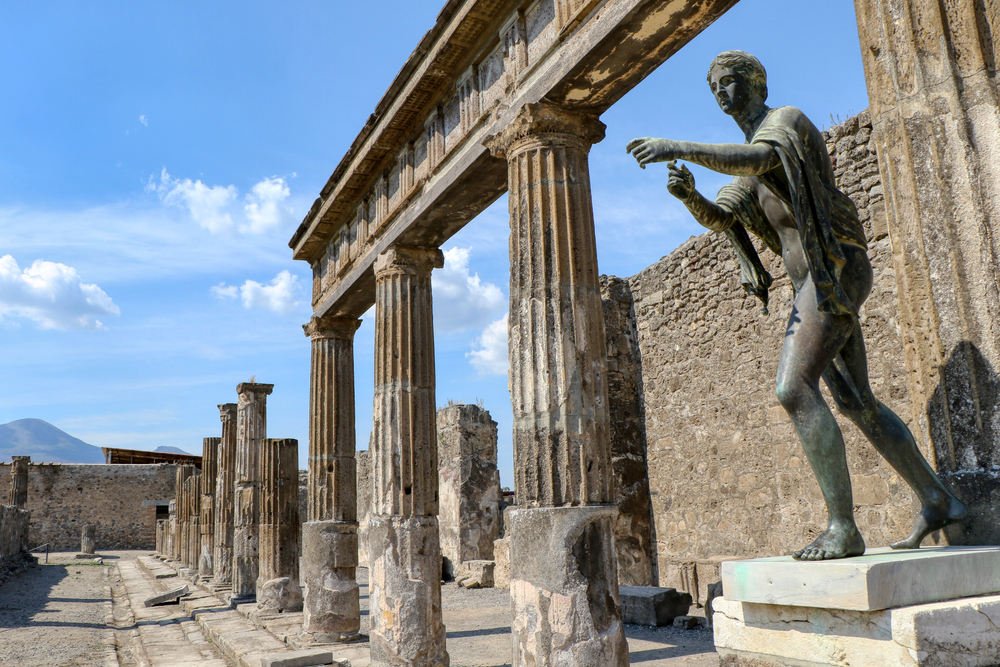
330,537
404,552
225,482
206,522
183,472
19,481
564,587
251,430
280,531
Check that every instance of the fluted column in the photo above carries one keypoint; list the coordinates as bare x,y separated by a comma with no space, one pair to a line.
280,530
565,609
251,430
330,536
194,523
206,523
931,69
404,552
225,481
181,475
19,481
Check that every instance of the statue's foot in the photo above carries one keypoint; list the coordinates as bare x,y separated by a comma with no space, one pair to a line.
834,542
931,518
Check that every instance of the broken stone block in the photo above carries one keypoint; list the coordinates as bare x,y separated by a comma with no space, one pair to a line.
475,574
166,598
298,659
501,563
714,591
686,622
650,605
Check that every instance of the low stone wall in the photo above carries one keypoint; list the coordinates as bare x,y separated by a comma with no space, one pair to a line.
727,474
63,497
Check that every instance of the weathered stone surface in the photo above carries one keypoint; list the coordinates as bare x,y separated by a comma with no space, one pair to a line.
935,111
958,633
206,521
469,485
18,496
475,574
13,533
307,658
634,536
881,579
329,538
650,605
167,597
564,593
501,563
222,570
251,430
280,530
405,600
88,540
364,501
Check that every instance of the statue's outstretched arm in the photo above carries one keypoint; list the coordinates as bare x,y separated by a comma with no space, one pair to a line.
732,159
708,214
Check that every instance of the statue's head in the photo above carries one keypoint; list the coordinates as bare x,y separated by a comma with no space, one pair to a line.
739,65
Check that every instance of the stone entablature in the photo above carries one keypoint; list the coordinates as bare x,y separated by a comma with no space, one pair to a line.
417,172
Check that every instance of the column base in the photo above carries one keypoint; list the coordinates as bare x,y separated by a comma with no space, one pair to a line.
405,592
332,611
564,588
222,567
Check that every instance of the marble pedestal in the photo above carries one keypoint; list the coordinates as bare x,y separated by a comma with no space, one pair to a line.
936,606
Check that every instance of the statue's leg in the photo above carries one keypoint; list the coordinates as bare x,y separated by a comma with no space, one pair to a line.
847,378
812,340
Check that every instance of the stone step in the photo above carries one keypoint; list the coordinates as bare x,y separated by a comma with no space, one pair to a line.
155,567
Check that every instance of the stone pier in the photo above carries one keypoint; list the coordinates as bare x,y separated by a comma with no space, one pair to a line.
251,429
19,481
225,481
280,531
403,548
330,536
183,472
206,522
564,582
469,485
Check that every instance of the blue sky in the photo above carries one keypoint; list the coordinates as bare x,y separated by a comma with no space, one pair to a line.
155,158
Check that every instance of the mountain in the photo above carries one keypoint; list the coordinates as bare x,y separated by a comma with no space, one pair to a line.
171,450
43,442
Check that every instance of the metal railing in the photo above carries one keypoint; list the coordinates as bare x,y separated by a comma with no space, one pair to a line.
46,545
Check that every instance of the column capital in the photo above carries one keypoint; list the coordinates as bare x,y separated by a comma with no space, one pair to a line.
254,388
546,124
413,260
327,326
227,412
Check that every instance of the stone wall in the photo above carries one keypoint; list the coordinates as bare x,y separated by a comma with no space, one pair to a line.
63,497
13,537
727,474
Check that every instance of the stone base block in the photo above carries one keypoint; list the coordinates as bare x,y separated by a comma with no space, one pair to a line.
501,563
329,564
167,597
279,595
649,605
475,574
405,592
564,588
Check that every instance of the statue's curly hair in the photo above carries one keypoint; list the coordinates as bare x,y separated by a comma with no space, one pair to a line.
745,64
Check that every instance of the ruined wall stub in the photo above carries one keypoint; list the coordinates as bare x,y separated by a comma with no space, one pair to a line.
931,70
468,485
634,534
222,562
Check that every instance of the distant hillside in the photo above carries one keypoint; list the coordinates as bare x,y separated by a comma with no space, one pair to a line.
172,450
43,442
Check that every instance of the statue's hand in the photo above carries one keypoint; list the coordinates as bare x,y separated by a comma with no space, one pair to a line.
648,149
681,181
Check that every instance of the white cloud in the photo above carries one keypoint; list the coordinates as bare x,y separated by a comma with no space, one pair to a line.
144,121
207,205
491,357
263,208
281,295
463,301
52,295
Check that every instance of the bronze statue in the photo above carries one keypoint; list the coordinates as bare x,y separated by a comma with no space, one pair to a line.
784,192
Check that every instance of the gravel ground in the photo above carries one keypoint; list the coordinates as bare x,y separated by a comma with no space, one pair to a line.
53,615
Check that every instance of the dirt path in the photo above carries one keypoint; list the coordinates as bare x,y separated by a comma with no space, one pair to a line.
54,615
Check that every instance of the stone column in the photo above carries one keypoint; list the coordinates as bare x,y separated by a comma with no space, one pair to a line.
19,481
206,522
330,536
931,69
171,530
469,485
194,524
564,585
222,561
403,549
251,429
280,531
183,472
88,539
